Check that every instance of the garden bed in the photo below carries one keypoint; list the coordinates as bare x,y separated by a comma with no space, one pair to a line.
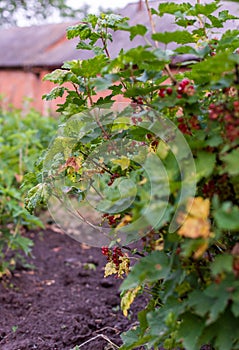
63,301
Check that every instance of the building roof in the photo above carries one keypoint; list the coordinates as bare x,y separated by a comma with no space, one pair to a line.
46,45
42,45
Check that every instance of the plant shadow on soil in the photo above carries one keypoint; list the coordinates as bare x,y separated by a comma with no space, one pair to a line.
64,301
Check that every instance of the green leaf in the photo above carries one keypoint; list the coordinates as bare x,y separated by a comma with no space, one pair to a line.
205,163
221,295
190,330
218,306
87,68
226,331
200,302
106,81
222,333
133,338
37,196
215,21
211,70
139,29
235,305
222,263
229,40
123,162
112,21
214,140
82,45
81,30
204,9
225,16
231,162
179,37
60,76
118,196
151,268
154,12
24,243
227,217
173,7
54,93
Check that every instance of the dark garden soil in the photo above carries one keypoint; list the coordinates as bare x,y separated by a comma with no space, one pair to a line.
63,301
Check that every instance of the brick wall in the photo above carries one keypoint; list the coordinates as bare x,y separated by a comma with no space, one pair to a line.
25,88
18,86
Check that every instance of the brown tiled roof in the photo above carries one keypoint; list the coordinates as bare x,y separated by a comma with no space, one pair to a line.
46,46
43,45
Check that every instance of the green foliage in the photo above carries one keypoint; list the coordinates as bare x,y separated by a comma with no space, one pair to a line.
23,139
180,139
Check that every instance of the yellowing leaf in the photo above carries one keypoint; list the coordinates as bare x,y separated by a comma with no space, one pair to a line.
72,163
159,244
200,250
162,150
123,268
110,269
120,270
198,207
142,182
19,178
125,221
128,299
123,162
196,223
195,228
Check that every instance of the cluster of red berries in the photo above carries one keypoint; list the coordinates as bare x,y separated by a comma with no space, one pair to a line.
186,126
117,253
140,101
112,219
112,178
137,120
185,87
105,251
228,117
153,141
165,91
113,254
215,111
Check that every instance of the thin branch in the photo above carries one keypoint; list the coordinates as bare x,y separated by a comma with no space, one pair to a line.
131,251
95,163
105,44
151,20
76,90
170,74
99,336
106,328
167,68
101,127
88,93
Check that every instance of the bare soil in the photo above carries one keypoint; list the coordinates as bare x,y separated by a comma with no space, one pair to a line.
63,301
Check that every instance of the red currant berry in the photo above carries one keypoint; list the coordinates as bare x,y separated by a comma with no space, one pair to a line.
185,82
161,93
140,101
105,251
169,90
